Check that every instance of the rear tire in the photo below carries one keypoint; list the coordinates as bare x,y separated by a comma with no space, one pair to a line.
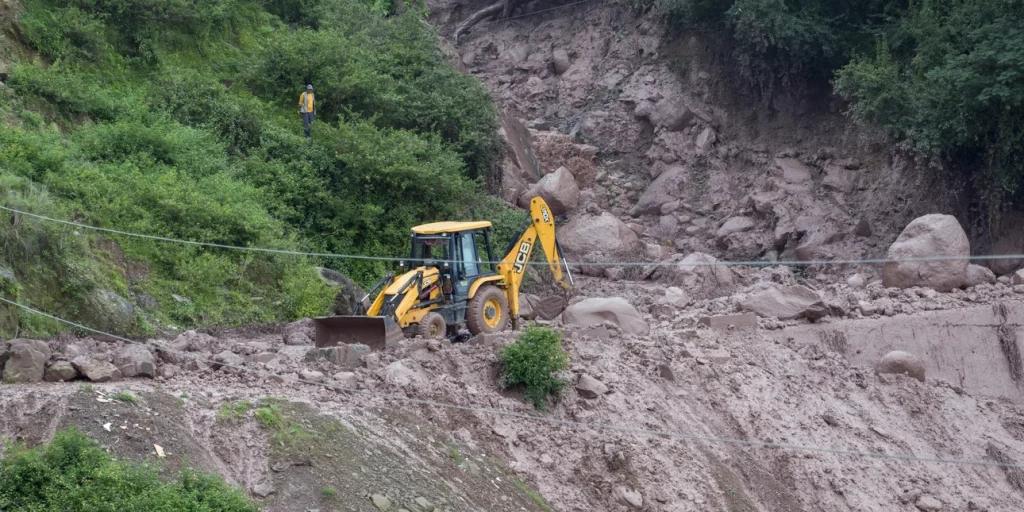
433,326
487,311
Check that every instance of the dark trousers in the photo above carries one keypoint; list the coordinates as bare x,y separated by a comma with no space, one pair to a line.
307,122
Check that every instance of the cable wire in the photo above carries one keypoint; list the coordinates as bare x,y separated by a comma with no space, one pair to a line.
717,263
535,418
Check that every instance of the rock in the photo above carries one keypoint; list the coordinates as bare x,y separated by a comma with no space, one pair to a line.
60,371
425,504
168,371
193,341
349,293
136,361
928,504
73,350
346,380
794,171
786,303
298,333
109,312
262,490
381,502
706,139
628,497
716,355
597,233
901,363
400,375
336,355
595,311
354,354
977,274
560,60
1017,278
24,361
372,361
738,224
589,387
96,371
227,358
312,376
668,114
558,189
6,273
665,371
839,179
677,297
863,228
726,322
856,281
666,188
867,308
930,236
701,275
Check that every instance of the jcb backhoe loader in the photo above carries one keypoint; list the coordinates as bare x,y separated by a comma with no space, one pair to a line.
456,283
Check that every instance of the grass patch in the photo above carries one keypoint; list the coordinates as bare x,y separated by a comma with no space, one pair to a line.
329,493
288,435
125,397
88,388
233,411
532,362
73,474
455,454
533,495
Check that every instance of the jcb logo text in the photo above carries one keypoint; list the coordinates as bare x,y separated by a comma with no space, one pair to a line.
521,257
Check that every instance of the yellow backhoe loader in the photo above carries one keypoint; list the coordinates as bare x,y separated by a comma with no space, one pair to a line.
456,283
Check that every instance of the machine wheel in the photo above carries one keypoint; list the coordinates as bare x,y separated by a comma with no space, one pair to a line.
487,311
432,326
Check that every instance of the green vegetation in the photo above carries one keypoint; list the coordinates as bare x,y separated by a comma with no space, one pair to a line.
294,428
179,120
329,493
532,362
533,495
73,474
125,397
944,76
455,454
233,411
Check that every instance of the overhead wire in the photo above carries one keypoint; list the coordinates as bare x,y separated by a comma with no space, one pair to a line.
717,263
532,417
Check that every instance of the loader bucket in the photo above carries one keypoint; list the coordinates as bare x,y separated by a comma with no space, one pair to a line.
377,332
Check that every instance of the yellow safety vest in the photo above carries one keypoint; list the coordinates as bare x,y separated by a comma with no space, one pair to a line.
306,102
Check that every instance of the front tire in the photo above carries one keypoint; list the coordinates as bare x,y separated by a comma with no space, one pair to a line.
432,326
487,311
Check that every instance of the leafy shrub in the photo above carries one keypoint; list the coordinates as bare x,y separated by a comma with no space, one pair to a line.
72,474
532,362
64,33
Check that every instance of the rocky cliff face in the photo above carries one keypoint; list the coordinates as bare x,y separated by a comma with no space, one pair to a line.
657,137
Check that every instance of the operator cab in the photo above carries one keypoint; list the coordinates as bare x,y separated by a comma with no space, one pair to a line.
461,251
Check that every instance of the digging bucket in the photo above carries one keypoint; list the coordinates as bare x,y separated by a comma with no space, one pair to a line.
376,332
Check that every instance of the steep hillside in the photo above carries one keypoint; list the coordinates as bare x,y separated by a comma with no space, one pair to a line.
181,122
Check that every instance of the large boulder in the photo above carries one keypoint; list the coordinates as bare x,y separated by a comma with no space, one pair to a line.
60,371
349,293
701,275
24,361
560,60
595,311
109,312
977,274
597,233
558,189
785,303
298,333
738,224
666,188
545,308
930,236
136,361
899,362
96,371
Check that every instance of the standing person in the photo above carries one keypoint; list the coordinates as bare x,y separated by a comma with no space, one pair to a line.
307,108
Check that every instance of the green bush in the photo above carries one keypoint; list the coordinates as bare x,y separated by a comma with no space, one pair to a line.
532,362
72,474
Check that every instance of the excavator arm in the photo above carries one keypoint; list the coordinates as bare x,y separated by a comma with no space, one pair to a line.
513,266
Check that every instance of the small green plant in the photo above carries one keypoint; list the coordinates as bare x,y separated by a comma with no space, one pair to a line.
533,495
88,388
270,417
329,493
125,397
532,362
184,396
233,411
453,451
